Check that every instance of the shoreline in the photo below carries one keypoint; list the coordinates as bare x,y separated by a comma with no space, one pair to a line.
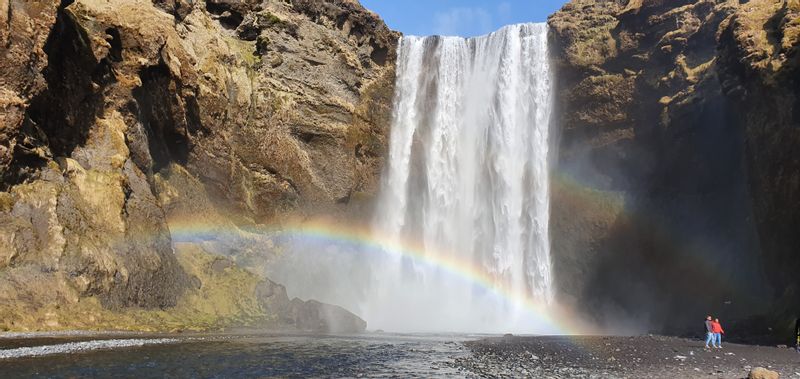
635,356
507,355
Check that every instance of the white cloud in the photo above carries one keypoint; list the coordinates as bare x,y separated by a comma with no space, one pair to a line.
463,21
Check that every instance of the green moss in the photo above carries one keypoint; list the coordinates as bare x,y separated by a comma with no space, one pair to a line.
593,45
272,20
225,298
586,28
6,201
245,50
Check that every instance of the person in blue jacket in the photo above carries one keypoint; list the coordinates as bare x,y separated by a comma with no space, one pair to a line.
709,332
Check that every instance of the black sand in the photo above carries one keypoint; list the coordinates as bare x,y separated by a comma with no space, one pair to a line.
621,357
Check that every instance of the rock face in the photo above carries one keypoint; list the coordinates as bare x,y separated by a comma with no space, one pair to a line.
677,121
126,125
112,113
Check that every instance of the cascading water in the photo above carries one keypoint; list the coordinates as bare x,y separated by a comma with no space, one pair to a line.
467,178
462,217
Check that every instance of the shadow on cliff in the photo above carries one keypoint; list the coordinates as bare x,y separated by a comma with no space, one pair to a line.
59,118
647,279
679,140
652,240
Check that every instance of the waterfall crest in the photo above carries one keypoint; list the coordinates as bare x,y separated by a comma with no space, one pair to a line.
467,179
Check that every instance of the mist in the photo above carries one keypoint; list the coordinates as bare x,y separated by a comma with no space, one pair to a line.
467,180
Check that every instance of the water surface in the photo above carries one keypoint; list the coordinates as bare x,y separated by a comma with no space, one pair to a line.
238,356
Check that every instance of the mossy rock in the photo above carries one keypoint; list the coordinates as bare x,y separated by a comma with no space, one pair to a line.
6,202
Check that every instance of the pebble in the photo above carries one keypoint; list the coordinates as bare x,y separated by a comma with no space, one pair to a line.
72,347
516,359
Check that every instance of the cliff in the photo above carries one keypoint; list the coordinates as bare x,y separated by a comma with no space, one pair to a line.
149,148
125,122
678,121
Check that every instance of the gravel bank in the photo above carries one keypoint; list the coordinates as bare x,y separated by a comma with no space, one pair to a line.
620,357
73,347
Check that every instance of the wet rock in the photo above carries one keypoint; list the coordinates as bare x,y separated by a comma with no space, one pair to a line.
319,317
273,299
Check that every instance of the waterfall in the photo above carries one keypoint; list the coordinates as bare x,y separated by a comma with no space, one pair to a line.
467,179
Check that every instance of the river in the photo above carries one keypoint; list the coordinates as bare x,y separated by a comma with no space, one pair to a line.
232,356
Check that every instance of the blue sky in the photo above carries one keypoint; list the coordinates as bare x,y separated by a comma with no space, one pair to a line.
459,17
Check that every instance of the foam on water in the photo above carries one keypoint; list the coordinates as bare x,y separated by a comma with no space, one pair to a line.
72,347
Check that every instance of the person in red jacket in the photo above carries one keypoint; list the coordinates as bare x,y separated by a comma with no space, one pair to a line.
716,328
797,334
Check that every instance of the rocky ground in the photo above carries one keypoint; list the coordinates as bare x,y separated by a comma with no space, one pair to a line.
621,357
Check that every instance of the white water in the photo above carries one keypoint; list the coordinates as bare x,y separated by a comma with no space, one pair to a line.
467,176
74,347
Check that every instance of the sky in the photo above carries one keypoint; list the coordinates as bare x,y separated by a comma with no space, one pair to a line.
465,18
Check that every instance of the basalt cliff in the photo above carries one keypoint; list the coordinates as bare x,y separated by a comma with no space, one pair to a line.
130,127
678,176
132,131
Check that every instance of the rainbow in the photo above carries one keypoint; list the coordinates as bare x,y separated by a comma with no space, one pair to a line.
556,320
699,261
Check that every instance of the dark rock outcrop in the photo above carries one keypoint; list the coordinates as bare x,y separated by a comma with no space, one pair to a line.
325,318
676,122
759,59
310,315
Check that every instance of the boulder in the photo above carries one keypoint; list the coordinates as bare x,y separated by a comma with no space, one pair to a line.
314,316
762,373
